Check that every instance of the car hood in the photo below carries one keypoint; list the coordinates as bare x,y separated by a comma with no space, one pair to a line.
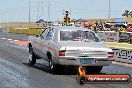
90,46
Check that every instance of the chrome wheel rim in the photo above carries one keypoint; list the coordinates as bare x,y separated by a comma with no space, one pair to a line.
51,64
30,57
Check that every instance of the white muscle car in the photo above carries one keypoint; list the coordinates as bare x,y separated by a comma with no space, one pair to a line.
69,46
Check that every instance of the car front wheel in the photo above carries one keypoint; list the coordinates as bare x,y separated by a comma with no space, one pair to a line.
32,59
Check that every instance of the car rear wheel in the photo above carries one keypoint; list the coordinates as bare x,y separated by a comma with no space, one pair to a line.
51,65
94,69
54,68
32,59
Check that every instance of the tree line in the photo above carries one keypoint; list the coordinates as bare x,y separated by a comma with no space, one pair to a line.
127,13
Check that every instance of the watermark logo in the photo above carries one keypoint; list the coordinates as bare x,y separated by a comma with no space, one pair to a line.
107,78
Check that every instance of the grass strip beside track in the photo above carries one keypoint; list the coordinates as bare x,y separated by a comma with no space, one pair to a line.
117,45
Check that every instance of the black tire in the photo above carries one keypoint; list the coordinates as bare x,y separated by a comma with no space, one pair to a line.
54,68
93,69
32,58
51,65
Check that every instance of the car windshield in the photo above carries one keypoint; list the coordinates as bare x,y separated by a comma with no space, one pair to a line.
86,36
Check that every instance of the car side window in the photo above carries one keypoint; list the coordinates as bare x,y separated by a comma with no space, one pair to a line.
49,34
43,34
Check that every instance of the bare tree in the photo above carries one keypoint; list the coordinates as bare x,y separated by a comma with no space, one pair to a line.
130,14
126,13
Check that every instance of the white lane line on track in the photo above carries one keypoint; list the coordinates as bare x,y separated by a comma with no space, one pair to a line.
10,39
15,40
3,38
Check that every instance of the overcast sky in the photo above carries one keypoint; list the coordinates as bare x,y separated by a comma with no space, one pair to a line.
18,10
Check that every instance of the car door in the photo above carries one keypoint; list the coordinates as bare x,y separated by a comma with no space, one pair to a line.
47,42
36,43
41,44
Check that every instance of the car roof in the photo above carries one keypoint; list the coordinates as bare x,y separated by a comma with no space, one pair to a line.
59,28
